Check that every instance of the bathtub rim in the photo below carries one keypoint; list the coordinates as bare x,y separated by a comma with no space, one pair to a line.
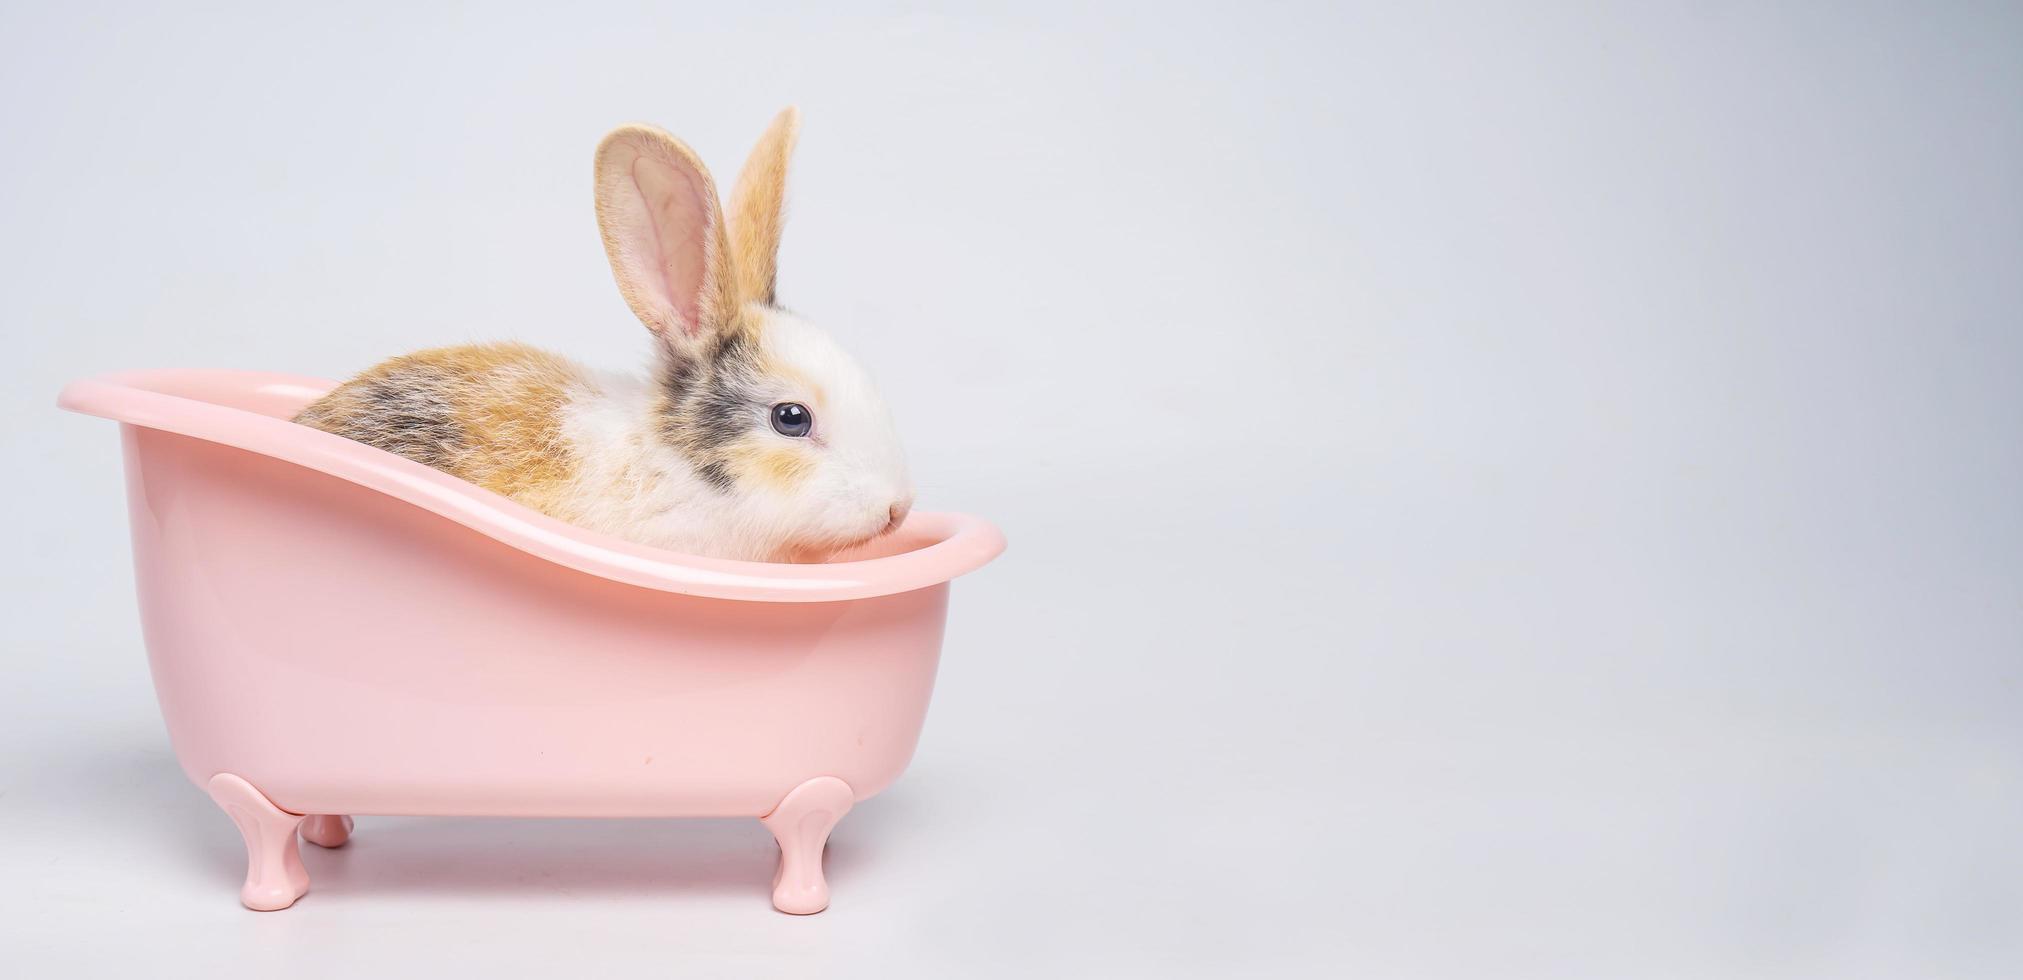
961,543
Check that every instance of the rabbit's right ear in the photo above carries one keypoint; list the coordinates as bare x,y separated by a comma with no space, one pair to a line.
663,229
758,208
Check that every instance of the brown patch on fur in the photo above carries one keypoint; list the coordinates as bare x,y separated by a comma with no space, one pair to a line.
490,414
778,467
797,380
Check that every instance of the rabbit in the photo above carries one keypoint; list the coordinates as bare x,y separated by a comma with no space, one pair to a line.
755,437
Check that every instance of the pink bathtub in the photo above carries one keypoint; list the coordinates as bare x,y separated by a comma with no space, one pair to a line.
335,630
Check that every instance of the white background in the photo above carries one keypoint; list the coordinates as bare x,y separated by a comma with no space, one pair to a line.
1493,491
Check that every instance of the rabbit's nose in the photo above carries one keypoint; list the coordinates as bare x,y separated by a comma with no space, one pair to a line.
898,514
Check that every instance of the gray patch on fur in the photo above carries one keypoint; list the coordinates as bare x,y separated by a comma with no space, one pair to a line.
711,403
406,412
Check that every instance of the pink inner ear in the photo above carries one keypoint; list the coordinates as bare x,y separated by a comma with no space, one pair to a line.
668,247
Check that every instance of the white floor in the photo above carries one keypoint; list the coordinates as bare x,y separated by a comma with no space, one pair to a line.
1197,790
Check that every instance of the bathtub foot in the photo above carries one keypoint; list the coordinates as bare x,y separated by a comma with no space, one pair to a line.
326,829
274,874
801,823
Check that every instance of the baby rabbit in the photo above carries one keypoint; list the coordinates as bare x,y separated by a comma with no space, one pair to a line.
756,436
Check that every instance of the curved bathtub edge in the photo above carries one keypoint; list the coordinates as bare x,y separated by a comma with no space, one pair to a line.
966,542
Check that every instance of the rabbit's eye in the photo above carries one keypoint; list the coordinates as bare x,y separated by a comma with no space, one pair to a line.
792,419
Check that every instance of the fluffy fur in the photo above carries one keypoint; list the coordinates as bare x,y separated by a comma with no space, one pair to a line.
686,458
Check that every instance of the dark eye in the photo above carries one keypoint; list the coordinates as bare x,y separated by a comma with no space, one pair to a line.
792,419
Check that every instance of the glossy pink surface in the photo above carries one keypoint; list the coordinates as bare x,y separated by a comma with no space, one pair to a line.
346,631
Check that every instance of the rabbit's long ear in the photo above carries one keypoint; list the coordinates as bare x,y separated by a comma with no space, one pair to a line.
758,208
663,230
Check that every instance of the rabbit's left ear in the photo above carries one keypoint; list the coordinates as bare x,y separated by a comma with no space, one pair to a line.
657,210
758,209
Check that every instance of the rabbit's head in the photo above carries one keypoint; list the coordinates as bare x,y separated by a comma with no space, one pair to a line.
782,427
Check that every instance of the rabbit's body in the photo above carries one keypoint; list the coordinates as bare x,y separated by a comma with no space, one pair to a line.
490,414
755,438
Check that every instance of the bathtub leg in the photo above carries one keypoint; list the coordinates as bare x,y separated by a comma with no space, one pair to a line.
326,829
801,823
274,875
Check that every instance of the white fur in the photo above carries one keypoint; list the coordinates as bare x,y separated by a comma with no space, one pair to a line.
862,470
632,483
